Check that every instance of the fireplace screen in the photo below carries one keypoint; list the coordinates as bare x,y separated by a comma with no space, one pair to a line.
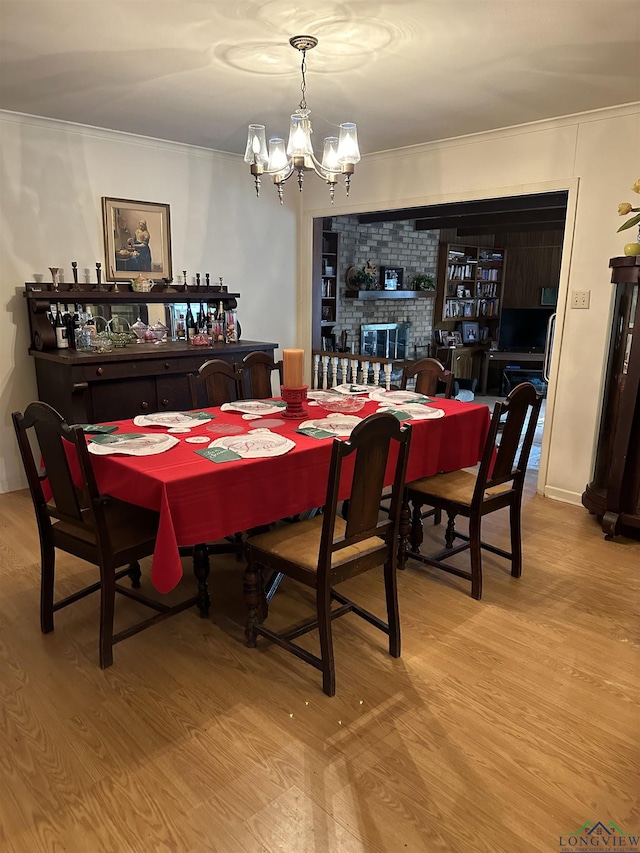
385,340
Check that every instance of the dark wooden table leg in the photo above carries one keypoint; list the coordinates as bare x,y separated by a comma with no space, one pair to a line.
405,527
201,571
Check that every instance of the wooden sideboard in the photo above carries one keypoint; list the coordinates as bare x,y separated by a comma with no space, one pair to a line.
614,493
89,387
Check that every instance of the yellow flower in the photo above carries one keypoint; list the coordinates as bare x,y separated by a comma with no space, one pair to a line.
624,208
636,186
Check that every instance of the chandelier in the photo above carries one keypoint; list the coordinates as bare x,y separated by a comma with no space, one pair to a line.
339,156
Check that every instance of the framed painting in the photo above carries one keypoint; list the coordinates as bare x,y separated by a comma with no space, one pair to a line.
137,239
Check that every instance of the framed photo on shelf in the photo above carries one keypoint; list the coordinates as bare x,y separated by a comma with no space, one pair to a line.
137,239
391,278
470,331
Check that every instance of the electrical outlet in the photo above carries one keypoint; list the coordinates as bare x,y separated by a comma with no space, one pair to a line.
580,298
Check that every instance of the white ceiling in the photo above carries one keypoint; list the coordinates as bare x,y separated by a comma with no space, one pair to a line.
407,71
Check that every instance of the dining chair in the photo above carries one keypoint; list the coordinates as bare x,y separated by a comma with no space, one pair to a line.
221,381
497,484
257,369
325,550
77,519
429,373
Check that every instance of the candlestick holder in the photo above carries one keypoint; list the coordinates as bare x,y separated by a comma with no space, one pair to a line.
294,398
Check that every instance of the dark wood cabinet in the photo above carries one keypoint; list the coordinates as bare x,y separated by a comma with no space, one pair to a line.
325,284
89,387
614,493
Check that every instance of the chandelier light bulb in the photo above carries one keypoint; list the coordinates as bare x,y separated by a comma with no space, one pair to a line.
339,156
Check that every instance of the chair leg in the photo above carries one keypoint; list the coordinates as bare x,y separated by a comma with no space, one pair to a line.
403,532
450,533
48,565
107,603
516,539
476,557
437,516
134,574
251,588
323,603
393,615
417,534
238,542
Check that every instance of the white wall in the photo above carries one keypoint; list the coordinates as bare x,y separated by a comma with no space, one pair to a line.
53,176
595,155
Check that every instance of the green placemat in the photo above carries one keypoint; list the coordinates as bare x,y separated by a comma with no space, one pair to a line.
111,439
95,428
218,454
399,414
316,432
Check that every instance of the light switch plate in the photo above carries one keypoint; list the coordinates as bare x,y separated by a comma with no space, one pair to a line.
580,298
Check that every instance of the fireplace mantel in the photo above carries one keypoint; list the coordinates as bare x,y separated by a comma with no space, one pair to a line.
390,294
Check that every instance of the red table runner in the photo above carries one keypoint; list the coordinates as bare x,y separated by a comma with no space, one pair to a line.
200,501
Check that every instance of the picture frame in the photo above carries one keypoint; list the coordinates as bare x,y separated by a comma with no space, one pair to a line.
470,331
391,278
137,239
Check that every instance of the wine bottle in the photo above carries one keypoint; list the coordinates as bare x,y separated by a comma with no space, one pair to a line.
191,323
202,319
62,341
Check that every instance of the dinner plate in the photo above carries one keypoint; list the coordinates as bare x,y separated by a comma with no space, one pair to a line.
417,411
320,394
170,419
255,444
144,444
338,424
352,388
381,395
253,407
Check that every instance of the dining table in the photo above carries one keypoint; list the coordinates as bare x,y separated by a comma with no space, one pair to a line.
201,501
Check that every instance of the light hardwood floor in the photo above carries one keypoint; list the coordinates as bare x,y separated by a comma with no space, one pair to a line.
506,723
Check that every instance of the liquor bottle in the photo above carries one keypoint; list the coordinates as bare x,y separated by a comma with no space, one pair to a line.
62,342
202,319
219,326
69,321
191,323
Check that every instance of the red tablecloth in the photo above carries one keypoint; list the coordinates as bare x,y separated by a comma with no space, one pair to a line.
200,501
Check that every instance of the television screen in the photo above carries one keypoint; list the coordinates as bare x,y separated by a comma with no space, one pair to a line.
523,329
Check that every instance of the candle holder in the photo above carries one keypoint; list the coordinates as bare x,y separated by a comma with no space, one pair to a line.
294,398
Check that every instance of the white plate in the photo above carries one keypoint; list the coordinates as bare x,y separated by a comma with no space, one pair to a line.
352,388
417,411
169,419
256,444
320,394
396,398
336,424
149,444
253,407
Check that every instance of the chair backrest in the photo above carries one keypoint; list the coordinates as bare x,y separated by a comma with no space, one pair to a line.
257,367
504,463
77,505
222,383
370,441
428,373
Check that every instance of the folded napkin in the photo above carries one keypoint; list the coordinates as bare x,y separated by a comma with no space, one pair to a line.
218,454
111,439
316,432
199,416
95,428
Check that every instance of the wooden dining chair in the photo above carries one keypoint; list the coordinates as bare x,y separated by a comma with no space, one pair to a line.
429,374
325,550
497,484
221,381
79,520
257,369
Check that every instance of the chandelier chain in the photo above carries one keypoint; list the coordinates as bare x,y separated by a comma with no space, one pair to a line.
303,85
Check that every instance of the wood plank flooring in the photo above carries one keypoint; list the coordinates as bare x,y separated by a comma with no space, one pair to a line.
506,723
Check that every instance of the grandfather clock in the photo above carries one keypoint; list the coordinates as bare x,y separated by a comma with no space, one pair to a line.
614,493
